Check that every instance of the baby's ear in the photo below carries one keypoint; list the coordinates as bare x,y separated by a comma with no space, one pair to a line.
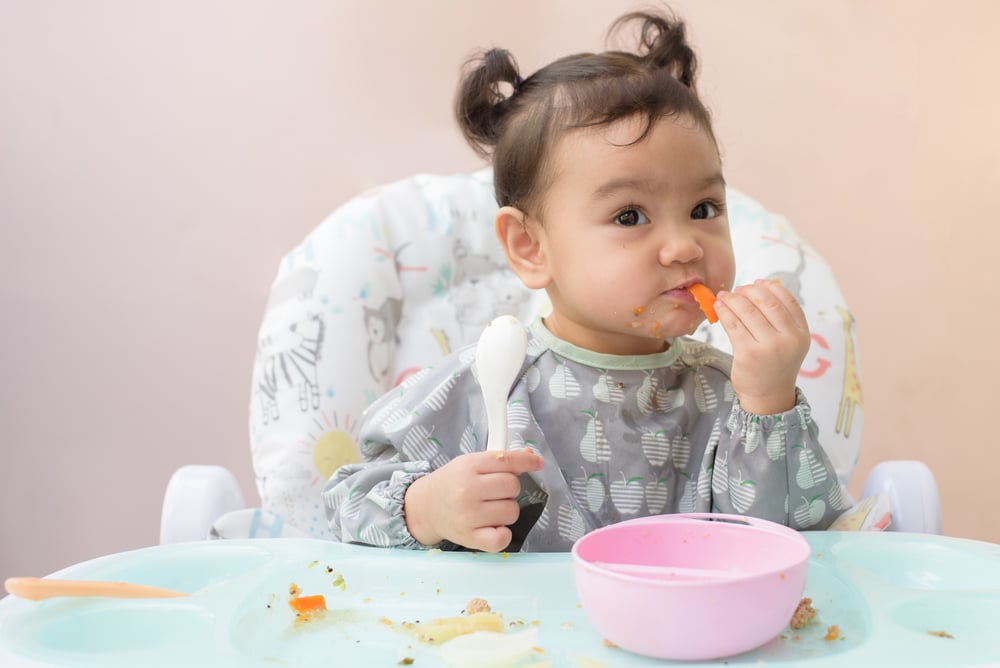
523,244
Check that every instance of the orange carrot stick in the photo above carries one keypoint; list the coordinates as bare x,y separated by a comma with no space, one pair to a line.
308,603
705,299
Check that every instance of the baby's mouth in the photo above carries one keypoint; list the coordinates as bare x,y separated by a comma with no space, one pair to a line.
679,294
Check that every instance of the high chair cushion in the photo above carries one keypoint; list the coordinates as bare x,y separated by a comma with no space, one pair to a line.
401,275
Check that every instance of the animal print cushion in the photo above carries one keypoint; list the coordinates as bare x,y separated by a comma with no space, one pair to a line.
400,276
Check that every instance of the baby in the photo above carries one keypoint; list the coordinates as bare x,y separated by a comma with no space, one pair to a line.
612,199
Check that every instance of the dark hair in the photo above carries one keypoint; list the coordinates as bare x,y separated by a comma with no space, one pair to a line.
519,125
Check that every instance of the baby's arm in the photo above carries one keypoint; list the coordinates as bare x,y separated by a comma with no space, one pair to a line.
364,502
773,467
423,481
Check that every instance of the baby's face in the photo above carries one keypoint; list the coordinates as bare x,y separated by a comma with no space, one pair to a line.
626,227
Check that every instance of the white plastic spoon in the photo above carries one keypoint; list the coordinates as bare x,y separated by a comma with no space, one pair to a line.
36,589
499,356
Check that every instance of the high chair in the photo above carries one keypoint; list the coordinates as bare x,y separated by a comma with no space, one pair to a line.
402,275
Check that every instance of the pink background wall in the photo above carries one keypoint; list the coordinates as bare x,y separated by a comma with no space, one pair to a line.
157,159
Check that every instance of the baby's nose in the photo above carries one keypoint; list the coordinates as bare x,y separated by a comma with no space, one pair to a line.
680,247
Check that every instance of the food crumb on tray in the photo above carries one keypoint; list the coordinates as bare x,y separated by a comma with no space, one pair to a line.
477,605
940,634
803,614
832,633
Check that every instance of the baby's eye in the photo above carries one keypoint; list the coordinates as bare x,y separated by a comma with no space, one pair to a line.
631,217
705,210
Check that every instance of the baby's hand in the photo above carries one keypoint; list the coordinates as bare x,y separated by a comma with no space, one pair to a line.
770,340
469,501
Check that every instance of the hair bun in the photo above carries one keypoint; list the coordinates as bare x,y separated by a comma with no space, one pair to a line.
482,100
663,44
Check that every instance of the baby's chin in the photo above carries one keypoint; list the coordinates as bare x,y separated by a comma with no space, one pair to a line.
656,329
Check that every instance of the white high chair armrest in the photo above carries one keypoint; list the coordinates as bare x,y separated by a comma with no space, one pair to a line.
196,496
913,495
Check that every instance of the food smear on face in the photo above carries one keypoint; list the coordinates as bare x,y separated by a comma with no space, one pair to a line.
706,300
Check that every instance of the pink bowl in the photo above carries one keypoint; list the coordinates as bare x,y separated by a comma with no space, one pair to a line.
691,586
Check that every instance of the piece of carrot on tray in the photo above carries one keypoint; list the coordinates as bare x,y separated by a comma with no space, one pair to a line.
308,603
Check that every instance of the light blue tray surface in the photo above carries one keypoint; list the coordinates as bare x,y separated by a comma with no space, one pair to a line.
884,591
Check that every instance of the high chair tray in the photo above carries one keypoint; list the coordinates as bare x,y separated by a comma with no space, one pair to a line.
898,599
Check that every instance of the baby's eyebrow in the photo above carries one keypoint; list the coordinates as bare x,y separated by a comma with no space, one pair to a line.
609,188
714,180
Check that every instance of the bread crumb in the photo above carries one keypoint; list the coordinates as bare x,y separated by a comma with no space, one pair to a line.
832,633
803,614
940,634
608,643
477,605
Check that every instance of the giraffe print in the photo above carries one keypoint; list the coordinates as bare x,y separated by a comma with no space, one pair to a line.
851,397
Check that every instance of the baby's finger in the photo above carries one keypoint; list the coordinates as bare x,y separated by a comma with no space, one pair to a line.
763,311
740,316
795,312
739,335
502,485
510,461
489,539
498,513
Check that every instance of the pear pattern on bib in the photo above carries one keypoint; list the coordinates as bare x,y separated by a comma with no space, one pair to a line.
608,390
594,446
705,397
570,522
562,384
518,416
775,446
742,493
811,470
